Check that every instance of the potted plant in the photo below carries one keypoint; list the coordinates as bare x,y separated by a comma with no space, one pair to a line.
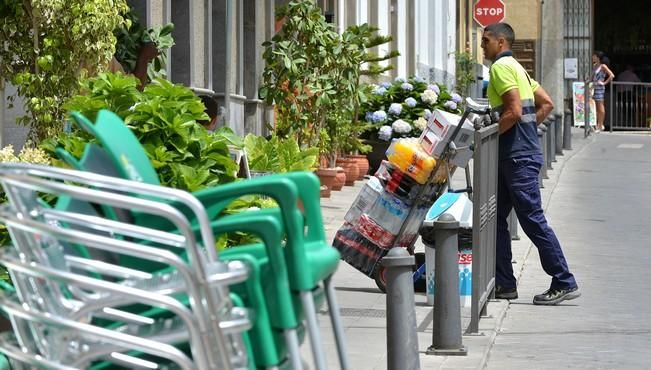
310,71
401,109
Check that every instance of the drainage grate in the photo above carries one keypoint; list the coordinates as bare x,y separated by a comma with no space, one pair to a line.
359,312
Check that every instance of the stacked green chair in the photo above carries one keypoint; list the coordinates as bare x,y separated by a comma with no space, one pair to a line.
310,259
283,317
58,303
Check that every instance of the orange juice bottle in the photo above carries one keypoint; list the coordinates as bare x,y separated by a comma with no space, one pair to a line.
407,155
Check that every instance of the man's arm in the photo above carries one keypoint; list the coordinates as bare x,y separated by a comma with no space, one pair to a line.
544,104
511,110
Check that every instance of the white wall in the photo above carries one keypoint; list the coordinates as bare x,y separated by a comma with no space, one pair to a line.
435,32
438,27
401,34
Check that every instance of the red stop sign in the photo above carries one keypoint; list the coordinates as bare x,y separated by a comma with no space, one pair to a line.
487,12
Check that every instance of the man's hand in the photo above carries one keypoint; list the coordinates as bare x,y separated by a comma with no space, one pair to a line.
512,110
544,104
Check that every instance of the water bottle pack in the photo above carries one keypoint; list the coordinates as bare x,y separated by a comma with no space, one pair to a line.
395,181
358,251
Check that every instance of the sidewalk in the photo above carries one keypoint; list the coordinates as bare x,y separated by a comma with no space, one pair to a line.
363,305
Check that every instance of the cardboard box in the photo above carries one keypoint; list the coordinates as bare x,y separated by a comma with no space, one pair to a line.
439,130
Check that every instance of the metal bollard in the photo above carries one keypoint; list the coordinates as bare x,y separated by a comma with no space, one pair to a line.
567,130
513,225
447,340
548,140
540,141
543,144
558,122
552,137
402,338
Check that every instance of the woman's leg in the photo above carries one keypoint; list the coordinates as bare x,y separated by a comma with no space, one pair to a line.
601,114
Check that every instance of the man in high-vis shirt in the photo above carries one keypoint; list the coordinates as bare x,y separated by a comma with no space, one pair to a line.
522,104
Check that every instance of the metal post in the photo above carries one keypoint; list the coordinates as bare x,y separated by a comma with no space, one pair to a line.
558,123
587,129
402,338
567,130
545,148
447,340
552,127
549,150
543,171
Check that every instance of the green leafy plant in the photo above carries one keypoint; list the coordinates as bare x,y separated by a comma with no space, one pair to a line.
278,155
47,46
164,119
130,39
365,38
465,72
298,78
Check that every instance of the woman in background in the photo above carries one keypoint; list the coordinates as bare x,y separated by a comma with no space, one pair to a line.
601,76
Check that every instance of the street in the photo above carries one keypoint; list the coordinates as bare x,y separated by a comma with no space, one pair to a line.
596,200
600,211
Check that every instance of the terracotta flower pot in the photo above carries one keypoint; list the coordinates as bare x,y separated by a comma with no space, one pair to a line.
350,167
327,177
325,191
340,179
362,165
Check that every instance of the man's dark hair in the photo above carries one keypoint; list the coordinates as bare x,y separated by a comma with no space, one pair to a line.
211,106
502,30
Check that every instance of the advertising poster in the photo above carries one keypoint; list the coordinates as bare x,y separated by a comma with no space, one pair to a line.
578,99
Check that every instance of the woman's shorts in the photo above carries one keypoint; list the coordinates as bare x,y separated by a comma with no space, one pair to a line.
598,94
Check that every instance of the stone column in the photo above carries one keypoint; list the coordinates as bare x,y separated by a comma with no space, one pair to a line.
393,30
255,32
351,13
411,38
551,53
181,53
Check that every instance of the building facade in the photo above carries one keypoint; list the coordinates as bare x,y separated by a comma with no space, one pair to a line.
218,45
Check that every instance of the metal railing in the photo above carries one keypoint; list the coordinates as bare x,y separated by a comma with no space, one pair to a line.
629,106
484,233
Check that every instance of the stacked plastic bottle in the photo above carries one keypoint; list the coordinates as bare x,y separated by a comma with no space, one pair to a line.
383,215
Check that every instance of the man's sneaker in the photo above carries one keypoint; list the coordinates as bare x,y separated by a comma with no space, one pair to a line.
506,293
554,296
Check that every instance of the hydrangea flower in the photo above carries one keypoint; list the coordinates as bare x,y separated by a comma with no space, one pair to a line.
420,123
407,86
385,133
400,79
411,102
456,98
450,105
395,108
386,85
427,113
435,88
369,116
419,79
379,90
379,116
401,126
429,97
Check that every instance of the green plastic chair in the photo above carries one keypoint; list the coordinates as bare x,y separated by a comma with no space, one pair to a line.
284,318
269,350
310,258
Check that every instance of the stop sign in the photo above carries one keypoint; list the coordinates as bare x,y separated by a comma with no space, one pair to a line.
488,12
